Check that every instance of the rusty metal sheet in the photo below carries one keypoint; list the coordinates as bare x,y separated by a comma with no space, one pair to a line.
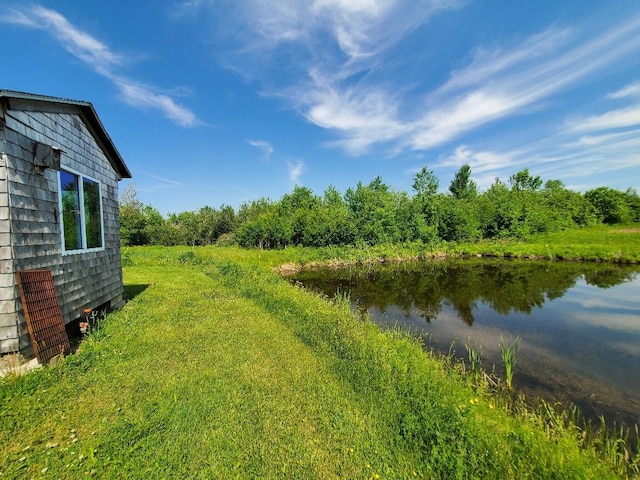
42,313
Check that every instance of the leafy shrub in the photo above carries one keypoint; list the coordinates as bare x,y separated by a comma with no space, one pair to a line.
226,240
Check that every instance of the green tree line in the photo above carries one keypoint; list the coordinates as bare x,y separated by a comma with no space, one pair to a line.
375,213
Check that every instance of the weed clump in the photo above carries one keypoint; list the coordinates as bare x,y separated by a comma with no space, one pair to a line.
509,352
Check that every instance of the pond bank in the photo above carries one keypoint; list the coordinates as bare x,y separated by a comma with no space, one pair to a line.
577,321
592,244
289,269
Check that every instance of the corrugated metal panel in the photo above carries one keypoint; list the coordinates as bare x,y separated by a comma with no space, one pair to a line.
42,313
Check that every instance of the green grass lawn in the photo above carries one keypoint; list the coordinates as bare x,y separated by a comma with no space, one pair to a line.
218,368
598,243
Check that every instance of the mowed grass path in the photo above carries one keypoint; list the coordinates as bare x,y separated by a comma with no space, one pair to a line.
220,369
188,381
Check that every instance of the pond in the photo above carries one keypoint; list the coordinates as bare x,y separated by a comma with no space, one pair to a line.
579,323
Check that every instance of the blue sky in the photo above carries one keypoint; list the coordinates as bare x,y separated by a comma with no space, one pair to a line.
215,102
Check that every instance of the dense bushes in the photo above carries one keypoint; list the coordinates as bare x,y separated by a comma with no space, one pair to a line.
614,206
376,214
143,225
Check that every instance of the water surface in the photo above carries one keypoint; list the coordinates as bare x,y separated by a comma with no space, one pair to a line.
579,323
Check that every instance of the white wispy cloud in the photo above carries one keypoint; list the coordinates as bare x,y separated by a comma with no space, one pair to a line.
631,90
608,138
486,165
360,115
140,95
521,78
358,28
161,179
569,155
620,118
82,45
487,63
365,28
264,146
479,161
340,51
101,59
343,58
296,169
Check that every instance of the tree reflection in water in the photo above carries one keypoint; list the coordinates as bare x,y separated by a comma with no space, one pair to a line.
505,286
579,322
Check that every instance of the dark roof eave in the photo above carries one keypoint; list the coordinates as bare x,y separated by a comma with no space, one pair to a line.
89,117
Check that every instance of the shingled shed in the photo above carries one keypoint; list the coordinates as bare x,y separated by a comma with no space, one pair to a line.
59,173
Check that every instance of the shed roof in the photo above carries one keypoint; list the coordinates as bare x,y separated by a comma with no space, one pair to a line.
33,102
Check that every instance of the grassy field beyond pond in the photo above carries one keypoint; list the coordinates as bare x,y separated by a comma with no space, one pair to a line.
601,243
218,368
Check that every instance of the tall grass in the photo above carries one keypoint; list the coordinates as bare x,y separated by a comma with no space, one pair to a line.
616,445
474,355
509,352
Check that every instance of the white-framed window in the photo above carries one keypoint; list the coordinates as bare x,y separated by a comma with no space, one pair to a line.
81,212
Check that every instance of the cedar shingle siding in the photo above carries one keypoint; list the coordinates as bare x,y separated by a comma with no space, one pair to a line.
30,221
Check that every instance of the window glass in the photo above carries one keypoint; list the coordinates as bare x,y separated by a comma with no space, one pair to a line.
71,215
92,213
81,212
